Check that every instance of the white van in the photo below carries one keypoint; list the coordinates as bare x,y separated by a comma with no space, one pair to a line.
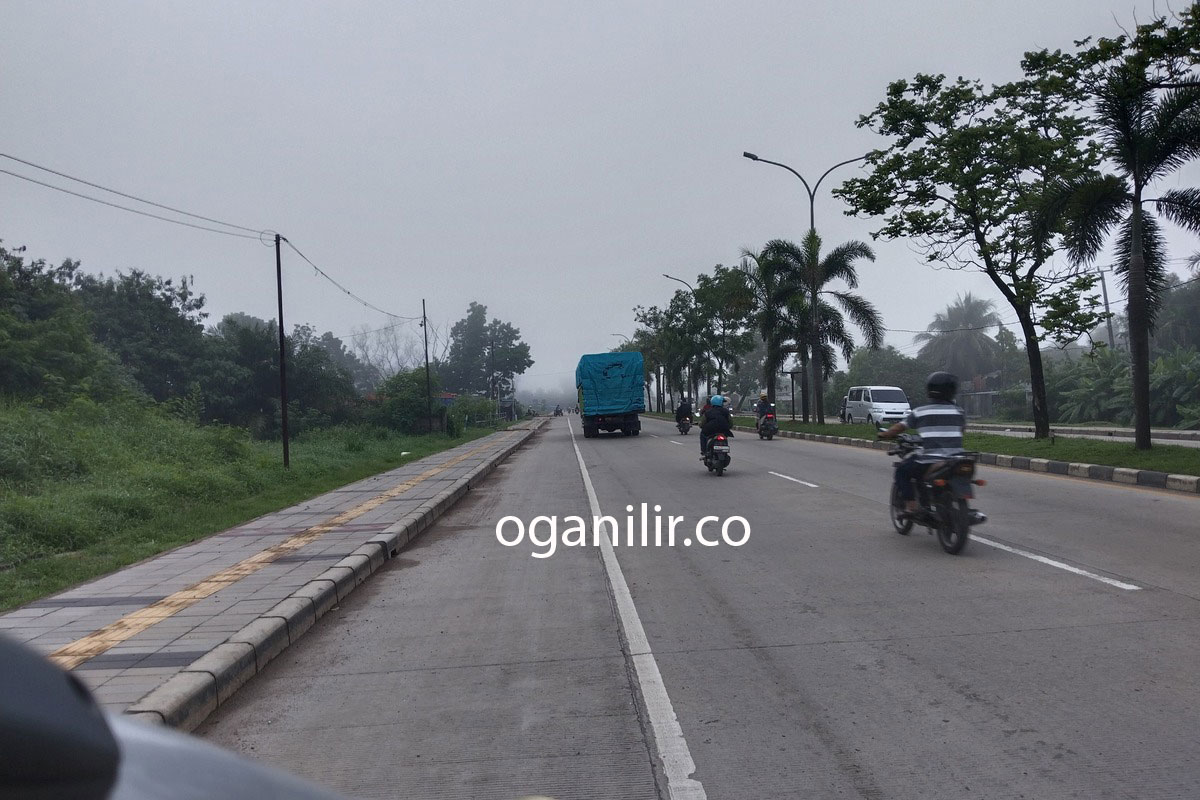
876,405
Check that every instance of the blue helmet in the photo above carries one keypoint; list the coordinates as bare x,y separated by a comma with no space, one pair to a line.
717,400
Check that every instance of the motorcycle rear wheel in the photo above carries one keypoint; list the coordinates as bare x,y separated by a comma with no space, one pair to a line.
903,527
954,523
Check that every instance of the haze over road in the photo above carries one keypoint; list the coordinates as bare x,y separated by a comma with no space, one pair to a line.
826,657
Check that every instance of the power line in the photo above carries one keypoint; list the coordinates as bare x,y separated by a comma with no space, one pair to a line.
349,293
128,196
1000,324
133,210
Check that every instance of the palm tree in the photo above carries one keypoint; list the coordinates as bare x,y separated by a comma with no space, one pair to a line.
957,340
1147,133
763,279
805,274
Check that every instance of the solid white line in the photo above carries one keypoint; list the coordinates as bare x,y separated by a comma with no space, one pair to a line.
1051,562
668,735
794,480
681,444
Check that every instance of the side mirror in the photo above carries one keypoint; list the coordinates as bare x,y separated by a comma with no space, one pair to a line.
54,740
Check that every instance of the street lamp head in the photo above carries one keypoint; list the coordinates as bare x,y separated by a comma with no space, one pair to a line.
750,156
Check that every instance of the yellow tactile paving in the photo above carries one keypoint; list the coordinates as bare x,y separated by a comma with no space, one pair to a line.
73,654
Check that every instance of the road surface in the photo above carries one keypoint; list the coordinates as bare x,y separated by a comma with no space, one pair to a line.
824,657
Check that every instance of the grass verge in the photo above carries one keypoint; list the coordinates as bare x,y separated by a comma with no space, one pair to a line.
89,489
1162,458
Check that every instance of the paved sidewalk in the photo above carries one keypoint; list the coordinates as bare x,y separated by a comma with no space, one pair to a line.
125,634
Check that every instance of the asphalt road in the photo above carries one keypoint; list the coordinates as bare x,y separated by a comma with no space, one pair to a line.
825,657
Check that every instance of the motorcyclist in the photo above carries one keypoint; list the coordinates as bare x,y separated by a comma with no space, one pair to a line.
761,408
940,423
684,411
716,419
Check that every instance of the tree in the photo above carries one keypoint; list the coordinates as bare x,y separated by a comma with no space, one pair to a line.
507,355
465,369
963,174
46,349
151,324
805,273
1147,133
764,278
725,304
957,340
483,356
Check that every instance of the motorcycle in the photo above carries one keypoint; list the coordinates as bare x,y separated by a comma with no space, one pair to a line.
716,455
767,426
684,425
942,495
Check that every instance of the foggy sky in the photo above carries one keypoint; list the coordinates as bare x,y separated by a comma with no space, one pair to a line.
549,160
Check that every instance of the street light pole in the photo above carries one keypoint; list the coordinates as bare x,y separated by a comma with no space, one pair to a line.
1112,343
815,335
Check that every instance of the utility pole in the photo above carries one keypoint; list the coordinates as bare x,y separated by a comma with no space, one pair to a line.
492,378
283,398
428,379
1112,343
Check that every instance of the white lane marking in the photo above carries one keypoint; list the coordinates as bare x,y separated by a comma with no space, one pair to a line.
794,480
668,735
656,436
1051,562
681,444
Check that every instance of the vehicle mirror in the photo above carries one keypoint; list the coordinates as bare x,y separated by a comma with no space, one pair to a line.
54,740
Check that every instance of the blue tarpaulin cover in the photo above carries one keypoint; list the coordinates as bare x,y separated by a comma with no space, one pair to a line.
610,383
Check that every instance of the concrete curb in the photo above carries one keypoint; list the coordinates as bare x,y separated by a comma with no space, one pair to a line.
188,697
1189,484
1115,433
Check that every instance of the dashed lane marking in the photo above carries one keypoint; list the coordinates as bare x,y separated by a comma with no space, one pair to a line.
794,480
1057,564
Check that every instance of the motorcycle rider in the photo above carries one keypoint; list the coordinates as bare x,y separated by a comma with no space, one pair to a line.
940,423
684,411
761,409
716,419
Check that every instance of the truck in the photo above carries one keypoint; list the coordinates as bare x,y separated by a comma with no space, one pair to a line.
610,392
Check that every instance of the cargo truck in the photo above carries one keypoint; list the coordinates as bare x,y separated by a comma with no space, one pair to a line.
610,393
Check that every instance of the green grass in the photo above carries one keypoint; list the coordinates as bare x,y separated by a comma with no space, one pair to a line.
1163,458
89,489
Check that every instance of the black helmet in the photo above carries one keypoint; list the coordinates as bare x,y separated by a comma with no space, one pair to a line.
941,386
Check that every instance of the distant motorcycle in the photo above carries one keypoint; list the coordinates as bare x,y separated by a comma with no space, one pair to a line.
716,455
942,495
684,425
767,425
558,411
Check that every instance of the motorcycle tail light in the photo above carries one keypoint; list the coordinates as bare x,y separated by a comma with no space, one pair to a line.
939,482
979,482
720,437
770,416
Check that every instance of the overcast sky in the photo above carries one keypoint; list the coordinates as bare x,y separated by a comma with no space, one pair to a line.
549,160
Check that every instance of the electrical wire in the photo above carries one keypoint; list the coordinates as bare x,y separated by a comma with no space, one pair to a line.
349,293
128,196
131,210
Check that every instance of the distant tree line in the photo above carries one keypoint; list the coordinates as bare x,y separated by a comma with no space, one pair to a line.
66,333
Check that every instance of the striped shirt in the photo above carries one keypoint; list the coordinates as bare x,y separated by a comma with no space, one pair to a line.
941,428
